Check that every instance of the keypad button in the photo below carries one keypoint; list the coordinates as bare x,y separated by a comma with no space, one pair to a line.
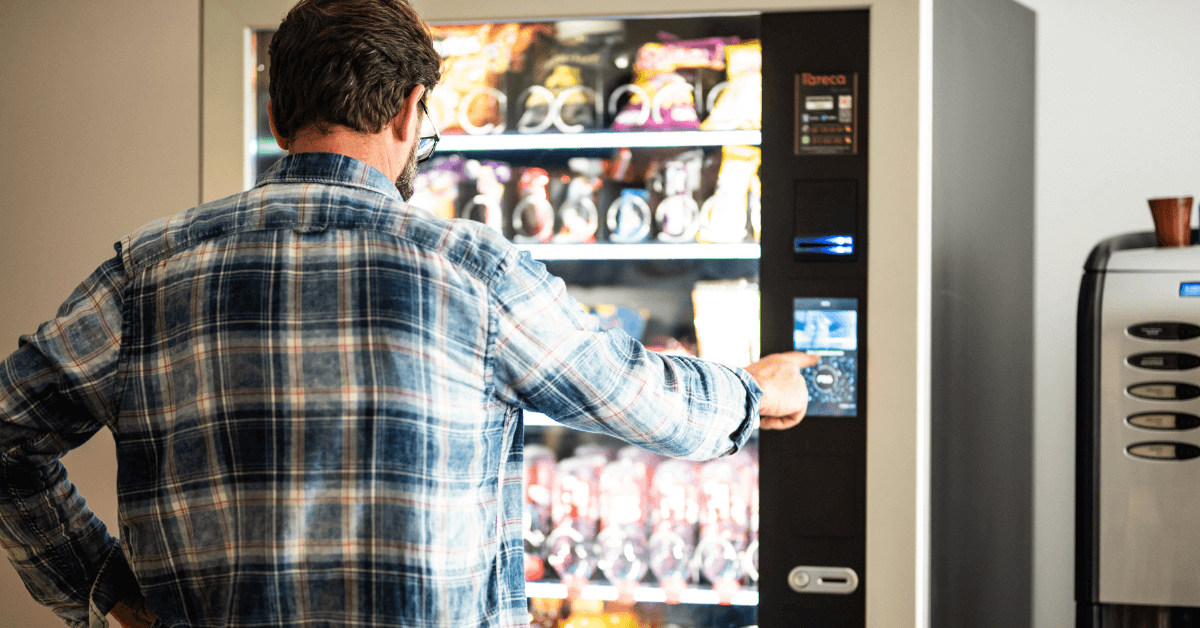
1164,451
1164,391
1165,421
1164,331
1164,361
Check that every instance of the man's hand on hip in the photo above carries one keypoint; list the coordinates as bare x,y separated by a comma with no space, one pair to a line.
133,613
785,393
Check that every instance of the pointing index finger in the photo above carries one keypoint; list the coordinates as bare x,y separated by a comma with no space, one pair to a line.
802,360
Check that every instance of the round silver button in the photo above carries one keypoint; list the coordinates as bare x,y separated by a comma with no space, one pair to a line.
798,579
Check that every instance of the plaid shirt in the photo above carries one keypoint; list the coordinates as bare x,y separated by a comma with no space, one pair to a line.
315,392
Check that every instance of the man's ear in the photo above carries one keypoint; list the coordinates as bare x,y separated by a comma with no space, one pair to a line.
407,123
281,141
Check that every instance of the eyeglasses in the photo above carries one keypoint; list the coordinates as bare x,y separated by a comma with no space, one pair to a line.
426,143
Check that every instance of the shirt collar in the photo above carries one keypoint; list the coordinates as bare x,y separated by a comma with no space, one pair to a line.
328,168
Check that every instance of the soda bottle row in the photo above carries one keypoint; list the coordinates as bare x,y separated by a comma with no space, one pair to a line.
633,517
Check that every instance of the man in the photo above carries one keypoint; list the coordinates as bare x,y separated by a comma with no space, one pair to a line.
315,390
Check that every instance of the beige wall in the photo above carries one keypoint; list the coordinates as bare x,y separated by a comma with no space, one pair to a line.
100,109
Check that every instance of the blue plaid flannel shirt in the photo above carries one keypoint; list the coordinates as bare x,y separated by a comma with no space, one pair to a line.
315,393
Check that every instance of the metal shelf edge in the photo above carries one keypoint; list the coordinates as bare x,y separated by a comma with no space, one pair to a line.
643,594
601,139
644,251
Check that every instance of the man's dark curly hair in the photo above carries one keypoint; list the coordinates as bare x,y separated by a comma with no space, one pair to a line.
349,63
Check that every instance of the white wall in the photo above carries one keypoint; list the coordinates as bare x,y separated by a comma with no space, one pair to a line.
1118,122
100,109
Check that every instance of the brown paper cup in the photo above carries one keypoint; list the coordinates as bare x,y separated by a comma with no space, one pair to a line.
1172,220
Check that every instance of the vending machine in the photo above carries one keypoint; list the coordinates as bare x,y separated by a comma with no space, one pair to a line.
1137,560
700,182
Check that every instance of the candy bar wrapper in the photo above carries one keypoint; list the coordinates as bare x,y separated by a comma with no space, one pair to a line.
727,321
663,97
738,102
723,215
476,58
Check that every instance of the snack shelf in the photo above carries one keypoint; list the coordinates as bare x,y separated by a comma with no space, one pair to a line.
600,139
643,251
608,593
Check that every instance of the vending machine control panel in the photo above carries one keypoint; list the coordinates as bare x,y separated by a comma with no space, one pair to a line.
829,328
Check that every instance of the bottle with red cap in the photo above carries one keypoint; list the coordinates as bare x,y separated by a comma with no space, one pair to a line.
575,513
724,522
624,484
539,487
674,510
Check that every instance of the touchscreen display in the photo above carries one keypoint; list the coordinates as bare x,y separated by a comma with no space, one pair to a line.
829,328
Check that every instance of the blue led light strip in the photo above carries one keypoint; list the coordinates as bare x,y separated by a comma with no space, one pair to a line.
825,245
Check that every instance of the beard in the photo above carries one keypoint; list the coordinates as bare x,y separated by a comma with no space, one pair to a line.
404,183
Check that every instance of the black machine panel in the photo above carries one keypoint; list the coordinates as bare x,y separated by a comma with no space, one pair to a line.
814,276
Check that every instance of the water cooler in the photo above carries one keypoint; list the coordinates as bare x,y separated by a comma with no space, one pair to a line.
1138,448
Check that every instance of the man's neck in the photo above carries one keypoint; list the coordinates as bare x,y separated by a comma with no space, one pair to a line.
375,149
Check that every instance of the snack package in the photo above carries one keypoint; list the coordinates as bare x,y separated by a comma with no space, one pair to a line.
475,60
435,188
737,102
578,216
489,178
675,181
662,96
723,215
533,216
629,320
569,77
629,216
727,321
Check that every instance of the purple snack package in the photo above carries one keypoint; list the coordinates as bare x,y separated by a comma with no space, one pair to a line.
663,92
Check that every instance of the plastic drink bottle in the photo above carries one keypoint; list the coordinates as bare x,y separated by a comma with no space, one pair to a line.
575,513
674,510
622,541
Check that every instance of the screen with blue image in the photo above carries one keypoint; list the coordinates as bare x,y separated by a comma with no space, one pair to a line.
829,328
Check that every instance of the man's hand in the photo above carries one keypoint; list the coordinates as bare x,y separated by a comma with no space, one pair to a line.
133,613
785,393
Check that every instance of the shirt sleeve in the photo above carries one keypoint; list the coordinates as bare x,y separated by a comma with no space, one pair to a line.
56,391
552,358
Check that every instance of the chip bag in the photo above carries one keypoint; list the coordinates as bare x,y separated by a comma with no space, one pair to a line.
476,58
662,96
723,215
737,102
